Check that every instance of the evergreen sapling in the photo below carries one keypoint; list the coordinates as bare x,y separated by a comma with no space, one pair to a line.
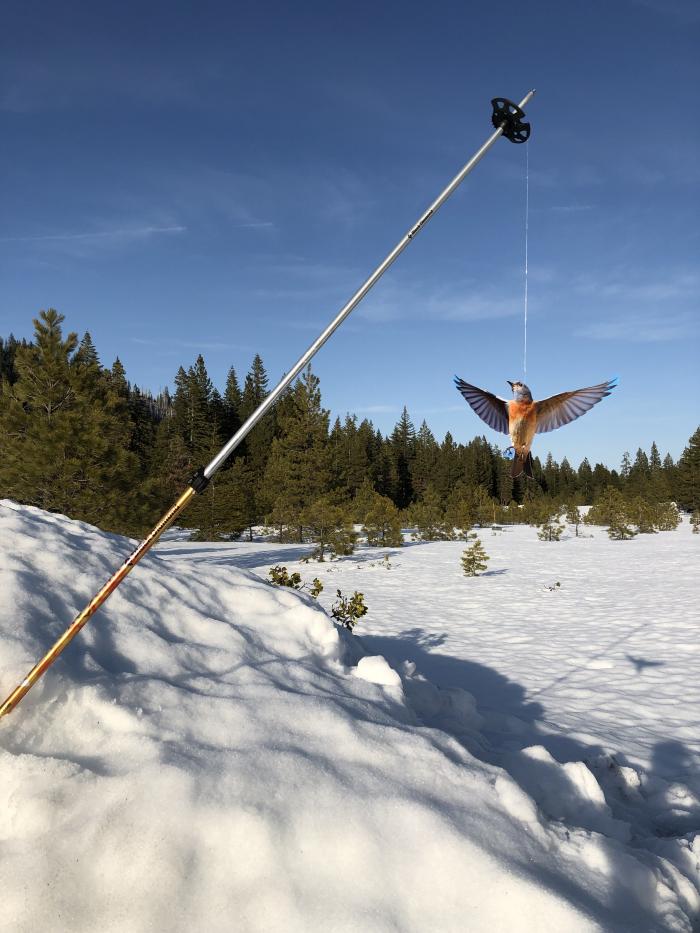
573,517
550,529
474,559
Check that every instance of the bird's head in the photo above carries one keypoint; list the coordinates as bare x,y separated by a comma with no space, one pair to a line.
521,393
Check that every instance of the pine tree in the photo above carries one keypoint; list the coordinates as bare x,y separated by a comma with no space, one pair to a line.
474,559
666,516
382,523
669,472
609,507
695,521
551,476
448,469
640,513
286,516
364,500
330,525
297,470
574,517
218,513
428,516
8,350
626,465
233,400
567,479
172,464
144,423
424,460
619,530
86,354
348,454
258,443
460,513
403,447
585,481
65,444
550,529
485,508
505,481
243,501
688,471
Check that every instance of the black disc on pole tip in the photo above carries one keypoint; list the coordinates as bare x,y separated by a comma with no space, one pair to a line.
509,116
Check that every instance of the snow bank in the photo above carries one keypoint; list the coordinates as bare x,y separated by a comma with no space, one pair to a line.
212,753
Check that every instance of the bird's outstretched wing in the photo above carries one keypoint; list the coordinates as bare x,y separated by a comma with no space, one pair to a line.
490,408
560,409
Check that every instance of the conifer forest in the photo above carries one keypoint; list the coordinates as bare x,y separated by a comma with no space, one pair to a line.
77,437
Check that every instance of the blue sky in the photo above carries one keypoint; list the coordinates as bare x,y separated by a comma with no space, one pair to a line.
220,177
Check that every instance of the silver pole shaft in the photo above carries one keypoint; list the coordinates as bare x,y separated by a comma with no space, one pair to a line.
218,461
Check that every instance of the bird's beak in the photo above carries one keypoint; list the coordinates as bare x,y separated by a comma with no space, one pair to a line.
509,383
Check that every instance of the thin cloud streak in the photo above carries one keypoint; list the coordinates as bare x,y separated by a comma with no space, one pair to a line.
122,233
377,409
638,329
191,344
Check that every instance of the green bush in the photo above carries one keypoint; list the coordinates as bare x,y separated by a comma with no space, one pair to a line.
349,611
281,577
550,530
474,559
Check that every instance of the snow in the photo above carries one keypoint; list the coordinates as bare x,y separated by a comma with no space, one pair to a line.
376,671
214,753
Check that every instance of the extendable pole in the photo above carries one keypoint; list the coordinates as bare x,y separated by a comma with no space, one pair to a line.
506,119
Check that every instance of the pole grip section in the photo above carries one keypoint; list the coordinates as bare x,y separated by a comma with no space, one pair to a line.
110,586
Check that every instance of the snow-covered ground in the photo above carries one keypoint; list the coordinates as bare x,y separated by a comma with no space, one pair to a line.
495,753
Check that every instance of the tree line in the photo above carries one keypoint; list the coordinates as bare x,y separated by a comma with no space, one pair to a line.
78,437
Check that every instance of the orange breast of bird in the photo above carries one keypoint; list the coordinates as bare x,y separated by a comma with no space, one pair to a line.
522,420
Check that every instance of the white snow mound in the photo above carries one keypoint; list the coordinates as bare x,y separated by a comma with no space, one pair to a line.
376,670
212,753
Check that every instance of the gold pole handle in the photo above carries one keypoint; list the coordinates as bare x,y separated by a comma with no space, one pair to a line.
110,586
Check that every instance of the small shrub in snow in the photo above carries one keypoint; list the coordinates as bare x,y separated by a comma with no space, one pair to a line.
281,577
474,559
574,517
347,611
619,530
550,530
695,521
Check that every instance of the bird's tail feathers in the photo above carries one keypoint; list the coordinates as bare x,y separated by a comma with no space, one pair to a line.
522,464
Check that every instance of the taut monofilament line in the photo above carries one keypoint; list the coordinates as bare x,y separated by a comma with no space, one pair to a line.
527,226
507,120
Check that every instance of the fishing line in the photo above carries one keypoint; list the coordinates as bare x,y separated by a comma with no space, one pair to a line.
527,224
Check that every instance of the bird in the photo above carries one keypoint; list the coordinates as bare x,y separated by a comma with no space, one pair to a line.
522,418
